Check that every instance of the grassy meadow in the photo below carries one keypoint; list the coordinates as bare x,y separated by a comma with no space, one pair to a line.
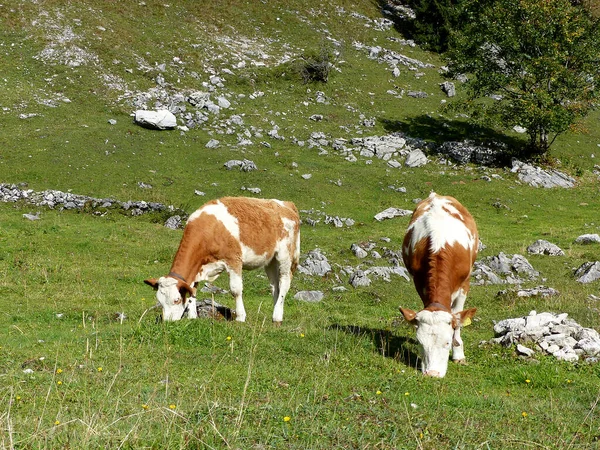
339,374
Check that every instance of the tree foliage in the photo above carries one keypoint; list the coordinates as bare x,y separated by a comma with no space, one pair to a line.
433,22
540,59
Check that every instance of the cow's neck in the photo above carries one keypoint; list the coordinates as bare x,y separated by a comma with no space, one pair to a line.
186,262
437,306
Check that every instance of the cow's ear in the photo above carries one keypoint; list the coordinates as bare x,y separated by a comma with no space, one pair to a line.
186,289
464,317
152,282
409,315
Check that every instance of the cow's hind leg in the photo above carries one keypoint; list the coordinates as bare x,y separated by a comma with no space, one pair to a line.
273,273
280,275
458,303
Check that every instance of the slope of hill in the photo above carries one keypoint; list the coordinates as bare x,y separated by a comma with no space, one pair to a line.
83,362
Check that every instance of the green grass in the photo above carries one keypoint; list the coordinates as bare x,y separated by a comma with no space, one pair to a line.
343,371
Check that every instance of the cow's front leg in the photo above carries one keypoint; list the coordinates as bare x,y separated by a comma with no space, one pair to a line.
458,304
236,286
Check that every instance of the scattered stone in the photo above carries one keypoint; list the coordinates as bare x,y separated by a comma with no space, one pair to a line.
542,247
174,222
553,334
339,222
309,296
315,264
244,165
417,94
588,272
538,291
32,217
536,177
359,278
112,121
416,158
254,190
392,212
158,120
448,88
307,176
119,317
385,272
525,351
208,308
358,251
213,143
316,117
588,239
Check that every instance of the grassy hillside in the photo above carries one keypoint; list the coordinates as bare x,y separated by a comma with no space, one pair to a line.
338,374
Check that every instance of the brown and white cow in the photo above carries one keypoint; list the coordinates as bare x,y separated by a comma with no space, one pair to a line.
439,250
228,235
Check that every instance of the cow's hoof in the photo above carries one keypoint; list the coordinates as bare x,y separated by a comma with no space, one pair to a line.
462,362
277,324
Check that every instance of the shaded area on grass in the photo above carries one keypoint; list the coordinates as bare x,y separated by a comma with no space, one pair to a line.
386,342
441,130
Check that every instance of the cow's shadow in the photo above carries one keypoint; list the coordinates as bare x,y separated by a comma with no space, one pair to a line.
386,342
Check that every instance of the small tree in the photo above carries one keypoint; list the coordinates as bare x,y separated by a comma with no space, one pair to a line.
539,58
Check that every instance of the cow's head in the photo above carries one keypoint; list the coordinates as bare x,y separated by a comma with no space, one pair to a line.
435,332
172,294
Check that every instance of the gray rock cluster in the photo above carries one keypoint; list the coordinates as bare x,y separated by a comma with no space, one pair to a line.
467,151
537,177
315,264
538,291
66,200
553,334
503,269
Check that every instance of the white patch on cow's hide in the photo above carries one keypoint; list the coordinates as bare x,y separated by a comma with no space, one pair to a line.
441,227
169,298
434,334
211,271
219,210
251,260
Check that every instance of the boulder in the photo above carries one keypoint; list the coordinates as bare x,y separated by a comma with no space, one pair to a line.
588,272
158,120
309,296
588,239
392,212
416,158
542,247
